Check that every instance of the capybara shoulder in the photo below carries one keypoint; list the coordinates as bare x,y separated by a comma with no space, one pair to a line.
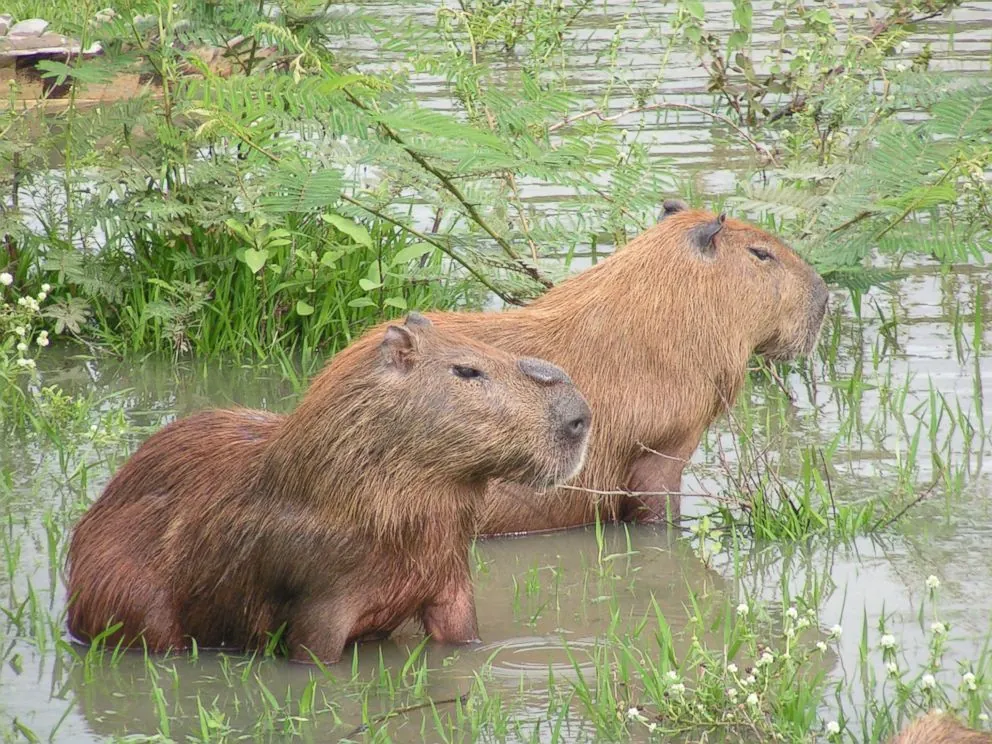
335,522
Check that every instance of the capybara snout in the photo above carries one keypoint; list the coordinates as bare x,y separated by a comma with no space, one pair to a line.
570,414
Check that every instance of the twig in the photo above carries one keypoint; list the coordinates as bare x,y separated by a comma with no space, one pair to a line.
596,492
881,525
662,106
407,709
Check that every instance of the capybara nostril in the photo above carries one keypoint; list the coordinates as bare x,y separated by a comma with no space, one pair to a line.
575,416
577,427
542,371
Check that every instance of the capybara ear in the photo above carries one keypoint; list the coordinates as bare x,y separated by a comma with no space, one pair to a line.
397,347
702,235
416,320
671,206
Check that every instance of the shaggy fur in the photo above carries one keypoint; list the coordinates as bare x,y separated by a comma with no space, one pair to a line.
940,728
336,522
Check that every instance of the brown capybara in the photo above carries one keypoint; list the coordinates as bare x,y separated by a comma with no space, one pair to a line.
940,728
657,337
334,523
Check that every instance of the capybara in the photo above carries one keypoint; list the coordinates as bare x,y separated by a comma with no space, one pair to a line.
335,522
657,337
940,728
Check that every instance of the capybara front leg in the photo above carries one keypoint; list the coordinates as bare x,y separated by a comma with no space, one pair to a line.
320,629
450,617
655,484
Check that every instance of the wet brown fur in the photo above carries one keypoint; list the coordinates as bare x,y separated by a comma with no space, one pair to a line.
337,521
658,338
940,728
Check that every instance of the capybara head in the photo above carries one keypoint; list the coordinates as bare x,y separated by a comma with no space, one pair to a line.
477,410
780,299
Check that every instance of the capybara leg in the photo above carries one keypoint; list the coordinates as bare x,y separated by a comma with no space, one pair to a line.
655,483
320,629
450,617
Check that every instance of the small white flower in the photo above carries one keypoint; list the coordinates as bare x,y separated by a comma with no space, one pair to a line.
836,631
93,428
652,727
821,646
900,67
933,582
22,301
633,714
6,279
732,694
46,287
752,699
27,363
743,609
927,682
887,641
20,330
892,668
802,624
792,612
732,668
749,679
968,679
766,658
902,46
833,727
43,340
678,688
42,296
673,675
938,628
22,346
790,632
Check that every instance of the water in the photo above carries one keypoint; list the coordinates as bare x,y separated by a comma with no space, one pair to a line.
546,602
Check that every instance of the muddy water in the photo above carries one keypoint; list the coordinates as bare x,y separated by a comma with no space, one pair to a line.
545,601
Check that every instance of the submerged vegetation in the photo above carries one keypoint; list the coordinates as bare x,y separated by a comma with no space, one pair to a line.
251,212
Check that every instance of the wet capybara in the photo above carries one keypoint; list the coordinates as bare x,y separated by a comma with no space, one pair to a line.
658,338
940,728
333,523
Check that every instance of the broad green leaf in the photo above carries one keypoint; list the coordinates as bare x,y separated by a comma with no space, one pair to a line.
411,252
368,285
397,301
821,15
304,308
361,302
352,229
331,257
695,8
255,259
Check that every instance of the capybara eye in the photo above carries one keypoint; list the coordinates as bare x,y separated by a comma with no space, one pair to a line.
761,254
468,373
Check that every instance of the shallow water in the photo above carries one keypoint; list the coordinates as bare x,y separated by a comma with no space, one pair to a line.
544,602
